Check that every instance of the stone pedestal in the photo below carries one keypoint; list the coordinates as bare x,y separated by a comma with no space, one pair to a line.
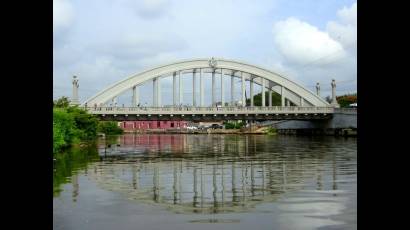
334,101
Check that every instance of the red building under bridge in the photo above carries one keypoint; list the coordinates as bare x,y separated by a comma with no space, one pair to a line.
130,125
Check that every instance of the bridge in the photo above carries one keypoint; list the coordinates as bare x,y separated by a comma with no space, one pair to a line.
296,102
213,113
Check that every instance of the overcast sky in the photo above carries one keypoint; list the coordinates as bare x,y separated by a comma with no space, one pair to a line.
104,41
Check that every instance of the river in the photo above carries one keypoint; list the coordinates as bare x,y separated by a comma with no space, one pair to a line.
174,181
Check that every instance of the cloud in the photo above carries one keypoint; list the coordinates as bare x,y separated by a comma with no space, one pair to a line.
135,46
62,14
348,15
150,9
301,43
345,30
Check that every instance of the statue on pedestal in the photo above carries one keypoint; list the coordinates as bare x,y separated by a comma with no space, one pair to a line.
74,99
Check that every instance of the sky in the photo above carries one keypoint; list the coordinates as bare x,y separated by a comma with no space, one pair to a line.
105,41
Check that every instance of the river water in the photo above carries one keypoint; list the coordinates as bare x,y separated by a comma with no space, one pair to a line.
207,182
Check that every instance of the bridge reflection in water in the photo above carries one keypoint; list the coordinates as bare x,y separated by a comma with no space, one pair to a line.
210,173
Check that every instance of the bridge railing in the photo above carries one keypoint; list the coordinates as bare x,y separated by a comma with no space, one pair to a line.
346,110
228,109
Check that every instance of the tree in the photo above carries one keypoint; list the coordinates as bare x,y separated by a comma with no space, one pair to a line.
62,102
257,99
64,129
84,122
346,100
109,127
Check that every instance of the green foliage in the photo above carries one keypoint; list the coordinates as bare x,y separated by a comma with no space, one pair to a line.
346,100
234,125
271,131
257,99
62,102
58,138
64,125
109,128
86,123
71,125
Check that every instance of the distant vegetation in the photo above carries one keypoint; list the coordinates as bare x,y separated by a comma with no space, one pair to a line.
257,99
346,100
234,125
109,127
271,131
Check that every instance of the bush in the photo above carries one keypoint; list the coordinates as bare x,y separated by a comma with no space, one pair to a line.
86,123
229,125
346,100
271,131
64,124
62,102
234,125
58,138
109,128
71,125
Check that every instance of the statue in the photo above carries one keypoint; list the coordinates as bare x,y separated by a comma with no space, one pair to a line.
334,100
74,99
318,89
212,62
75,82
333,84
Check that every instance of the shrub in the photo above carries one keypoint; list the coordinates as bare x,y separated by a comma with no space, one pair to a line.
71,125
109,127
234,125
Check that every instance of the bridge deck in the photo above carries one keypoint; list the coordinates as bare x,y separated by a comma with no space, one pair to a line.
215,113
211,110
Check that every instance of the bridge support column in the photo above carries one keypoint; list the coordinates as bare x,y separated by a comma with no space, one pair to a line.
301,101
213,88
251,90
201,88
243,90
282,96
194,87
174,88
135,96
287,102
222,88
232,90
154,91
158,91
181,91
270,97
263,92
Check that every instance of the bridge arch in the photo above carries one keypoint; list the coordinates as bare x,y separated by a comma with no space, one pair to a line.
275,82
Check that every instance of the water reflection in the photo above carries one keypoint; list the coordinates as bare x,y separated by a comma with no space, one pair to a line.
218,173
68,163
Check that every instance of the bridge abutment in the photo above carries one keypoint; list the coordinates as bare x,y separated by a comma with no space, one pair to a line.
341,123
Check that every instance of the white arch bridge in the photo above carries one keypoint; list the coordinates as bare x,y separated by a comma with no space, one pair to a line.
297,102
